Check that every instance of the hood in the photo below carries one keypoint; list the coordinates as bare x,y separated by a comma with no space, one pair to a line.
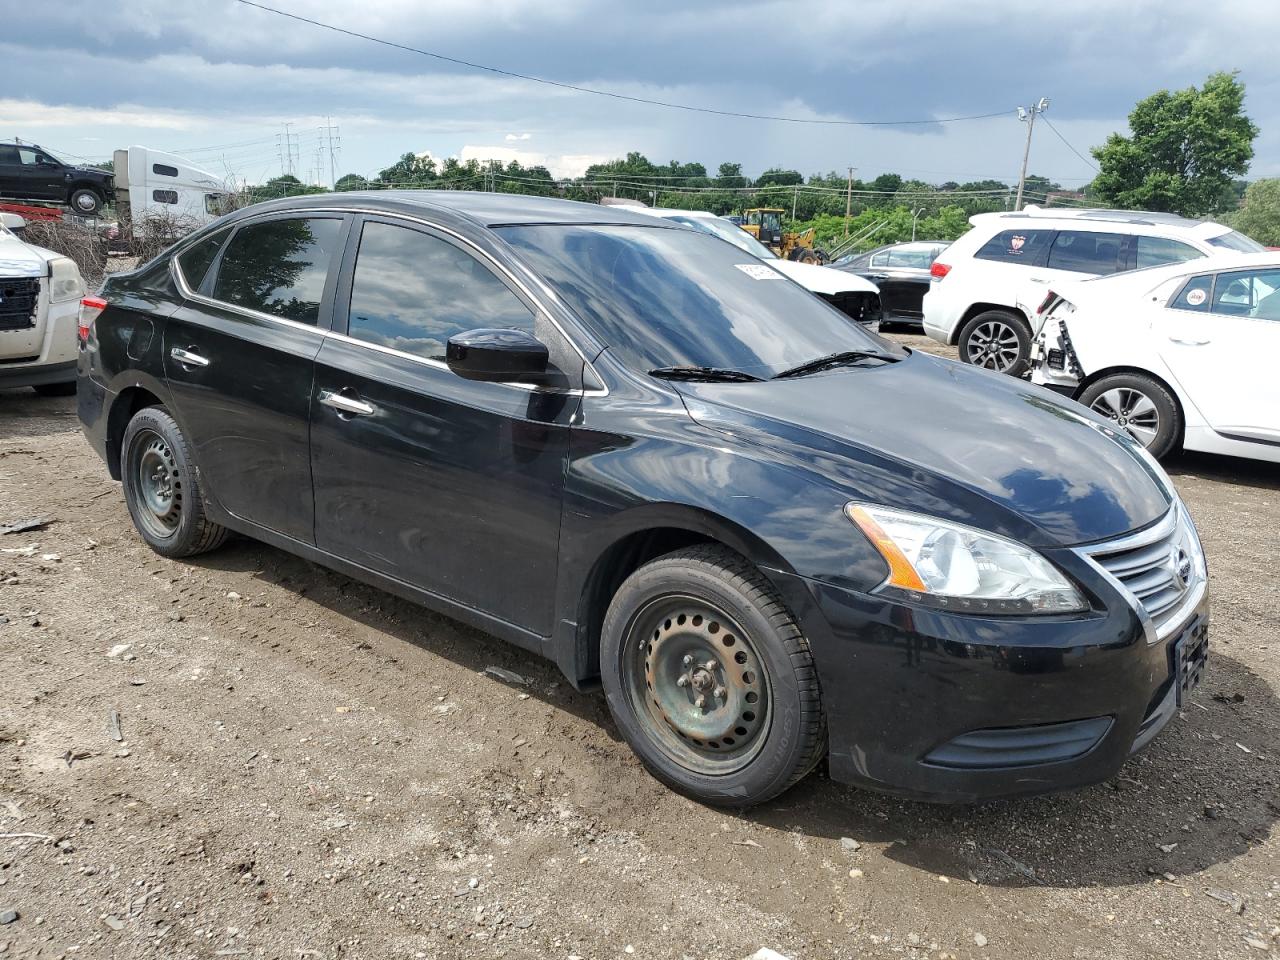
949,440
18,259
826,280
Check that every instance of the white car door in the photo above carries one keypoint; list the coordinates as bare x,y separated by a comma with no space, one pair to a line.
1220,337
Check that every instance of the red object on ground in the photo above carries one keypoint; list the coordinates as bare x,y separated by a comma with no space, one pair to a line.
30,212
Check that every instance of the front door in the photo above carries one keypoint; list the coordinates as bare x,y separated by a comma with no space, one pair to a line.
449,485
239,358
1220,337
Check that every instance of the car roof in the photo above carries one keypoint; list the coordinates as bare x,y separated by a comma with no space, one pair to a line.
485,209
1150,277
666,212
1129,218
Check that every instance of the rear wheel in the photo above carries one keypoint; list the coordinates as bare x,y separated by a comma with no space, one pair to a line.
162,489
998,340
1139,405
710,679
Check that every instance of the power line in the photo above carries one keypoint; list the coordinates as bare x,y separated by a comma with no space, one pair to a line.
607,93
1069,146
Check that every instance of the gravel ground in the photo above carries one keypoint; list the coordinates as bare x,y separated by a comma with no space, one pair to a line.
305,767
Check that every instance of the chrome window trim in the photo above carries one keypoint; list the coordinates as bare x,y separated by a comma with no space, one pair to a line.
176,272
1174,520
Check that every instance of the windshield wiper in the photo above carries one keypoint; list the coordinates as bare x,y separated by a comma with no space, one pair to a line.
709,374
844,358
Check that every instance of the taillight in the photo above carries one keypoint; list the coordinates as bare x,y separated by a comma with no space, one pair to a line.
90,307
939,270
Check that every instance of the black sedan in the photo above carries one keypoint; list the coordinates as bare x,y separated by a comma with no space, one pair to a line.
901,271
618,444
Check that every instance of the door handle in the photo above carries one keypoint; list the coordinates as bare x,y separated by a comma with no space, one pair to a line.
1187,342
188,358
345,404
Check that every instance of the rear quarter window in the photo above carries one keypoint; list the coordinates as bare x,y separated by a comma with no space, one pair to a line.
1027,247
1194,295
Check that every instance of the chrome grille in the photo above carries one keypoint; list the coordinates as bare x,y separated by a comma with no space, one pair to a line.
1161,569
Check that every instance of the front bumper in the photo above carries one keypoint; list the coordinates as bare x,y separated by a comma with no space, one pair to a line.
953,708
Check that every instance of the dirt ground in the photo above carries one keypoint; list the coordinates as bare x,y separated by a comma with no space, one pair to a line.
309,768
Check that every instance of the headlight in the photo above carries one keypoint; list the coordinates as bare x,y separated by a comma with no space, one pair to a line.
64,281
947,565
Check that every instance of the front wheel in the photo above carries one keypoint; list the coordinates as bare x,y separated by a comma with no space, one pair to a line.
1140,406
85,202
162,488
998,340
710,680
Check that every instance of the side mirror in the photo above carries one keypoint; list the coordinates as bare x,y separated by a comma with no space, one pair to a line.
497,356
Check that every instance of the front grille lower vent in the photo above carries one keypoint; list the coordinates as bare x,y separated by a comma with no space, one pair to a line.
19,298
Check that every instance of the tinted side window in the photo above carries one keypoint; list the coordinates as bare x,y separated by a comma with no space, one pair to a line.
164,170
880,259
1195,295
164,196
8,153
195,260
1153,251
413,291
1085,252
1249,293
1017,246
279,267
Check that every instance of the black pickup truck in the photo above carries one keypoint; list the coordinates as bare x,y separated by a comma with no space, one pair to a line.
28,172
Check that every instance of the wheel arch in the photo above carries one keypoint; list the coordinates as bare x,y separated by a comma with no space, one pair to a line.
644,534
123,408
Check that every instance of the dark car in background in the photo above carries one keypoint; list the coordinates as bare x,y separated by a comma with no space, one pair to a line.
901,271
629,447
29,172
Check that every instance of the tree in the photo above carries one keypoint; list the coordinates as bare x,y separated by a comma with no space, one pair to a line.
351,181
1259,215
730,175
1183,150
777,177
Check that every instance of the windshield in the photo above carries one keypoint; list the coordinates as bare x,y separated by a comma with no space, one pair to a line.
1234,240
661,298
728,231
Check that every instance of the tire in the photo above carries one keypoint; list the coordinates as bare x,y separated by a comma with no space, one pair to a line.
162,487
65,389
803,255
708,616
85,202
1139,405
998,340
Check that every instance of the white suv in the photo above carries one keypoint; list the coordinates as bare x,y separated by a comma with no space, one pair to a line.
40,295
983,283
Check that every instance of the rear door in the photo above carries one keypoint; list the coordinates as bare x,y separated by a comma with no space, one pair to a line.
449,485
239,358
1220,336
902,274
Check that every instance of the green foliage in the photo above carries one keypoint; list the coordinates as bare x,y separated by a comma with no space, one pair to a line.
285,186
1259,215
1183,150
351,181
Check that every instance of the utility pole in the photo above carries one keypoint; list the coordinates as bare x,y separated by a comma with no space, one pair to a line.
848,202
1028,116
333,143
795,193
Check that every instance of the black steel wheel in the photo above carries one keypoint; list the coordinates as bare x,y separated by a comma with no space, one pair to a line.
161,487
997,340
710,679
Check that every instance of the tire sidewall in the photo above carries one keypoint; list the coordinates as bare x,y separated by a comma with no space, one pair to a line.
188,530
1015,322
774,766
97,202
1170,433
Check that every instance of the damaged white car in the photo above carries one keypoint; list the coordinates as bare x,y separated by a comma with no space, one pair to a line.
40,295
1181,355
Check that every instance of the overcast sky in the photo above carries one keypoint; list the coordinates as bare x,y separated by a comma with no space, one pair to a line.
84,77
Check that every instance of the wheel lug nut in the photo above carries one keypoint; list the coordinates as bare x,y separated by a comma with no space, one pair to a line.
720,693
682,680
700,702
688,660
710,664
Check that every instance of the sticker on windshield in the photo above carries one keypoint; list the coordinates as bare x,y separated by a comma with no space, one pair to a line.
759,271
1195,297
